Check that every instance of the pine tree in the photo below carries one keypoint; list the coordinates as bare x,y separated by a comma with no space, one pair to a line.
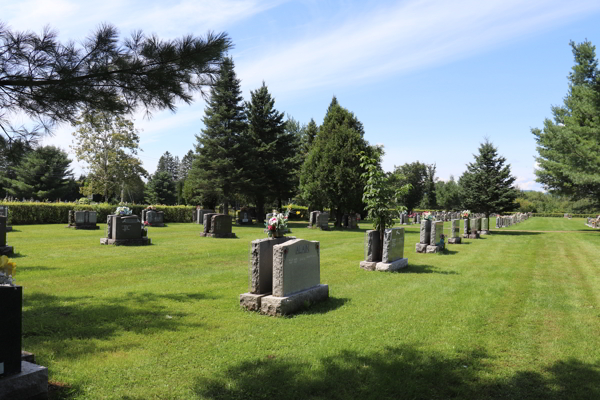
170,164
215,171
430,196
569,146
160,189
43,174
487,185
267,151
331,175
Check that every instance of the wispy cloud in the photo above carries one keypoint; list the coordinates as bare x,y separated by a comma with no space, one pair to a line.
399,38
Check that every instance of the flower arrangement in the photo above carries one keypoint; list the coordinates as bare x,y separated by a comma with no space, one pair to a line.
146,223
123,211
277,225
7,271
465,214
426,215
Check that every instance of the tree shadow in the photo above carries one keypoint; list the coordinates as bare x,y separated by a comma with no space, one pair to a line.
425,269
401,372
62,391
515,233
70,326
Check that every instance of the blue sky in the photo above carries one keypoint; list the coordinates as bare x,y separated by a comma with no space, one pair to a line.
429,79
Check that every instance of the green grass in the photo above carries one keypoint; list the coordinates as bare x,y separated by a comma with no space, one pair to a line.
548,224
513,315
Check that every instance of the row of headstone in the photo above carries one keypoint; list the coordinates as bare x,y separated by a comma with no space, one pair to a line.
593,222
431,239
386,256
509,220
4,213
319,220
349,221
284,275
82,220
153,217
125,230
217,226
5,250
199,215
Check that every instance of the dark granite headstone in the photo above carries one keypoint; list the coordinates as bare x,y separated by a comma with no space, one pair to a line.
3,231
220,224
11,299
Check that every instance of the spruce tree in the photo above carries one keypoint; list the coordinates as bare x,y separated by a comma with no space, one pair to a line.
170,164
160,189
215,171
487,185
267,152
331,175
569,146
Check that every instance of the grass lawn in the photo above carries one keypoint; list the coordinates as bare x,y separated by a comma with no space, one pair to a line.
514,315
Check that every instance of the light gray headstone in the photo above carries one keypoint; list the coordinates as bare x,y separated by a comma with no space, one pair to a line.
296,266
372,245
393,245
425,231
261,263
437,229
454,231
485,226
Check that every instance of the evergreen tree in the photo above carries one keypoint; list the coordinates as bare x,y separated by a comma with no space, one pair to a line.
160,189
448,195
430,195
170,164
12,152
268,150
53,82
569,146
43,174
487,185
185,165
215,171
310,133
332,175
414,174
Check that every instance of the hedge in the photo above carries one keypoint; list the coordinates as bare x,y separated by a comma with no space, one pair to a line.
58,213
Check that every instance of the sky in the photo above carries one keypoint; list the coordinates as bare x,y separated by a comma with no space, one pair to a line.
429,79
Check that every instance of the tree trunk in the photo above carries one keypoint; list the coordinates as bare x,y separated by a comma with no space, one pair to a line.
260,210
279,204
338,218
226,207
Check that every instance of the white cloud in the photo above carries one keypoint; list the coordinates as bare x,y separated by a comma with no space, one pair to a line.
404,37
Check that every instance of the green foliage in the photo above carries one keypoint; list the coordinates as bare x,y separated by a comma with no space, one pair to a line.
170,164
268,152
108,143
160,189
548,203
58,213
215,172
430,195
331,175
487,185
52,82
380,195
448,194
569,146
414,174
43,174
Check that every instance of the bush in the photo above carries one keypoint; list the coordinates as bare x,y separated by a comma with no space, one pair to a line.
58,213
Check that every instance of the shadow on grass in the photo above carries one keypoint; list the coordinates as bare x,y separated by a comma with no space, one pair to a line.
425,269
17,255
403,372
71,326
514,233
333,303
61,391
38,268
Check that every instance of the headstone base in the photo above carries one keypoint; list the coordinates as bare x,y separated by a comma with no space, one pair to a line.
455,240
474,236
218,235
368,265
393,266
6,250
251,301
420,247
84,226
30,384
271,305
127,242
432,248
325,228
27,356
484,232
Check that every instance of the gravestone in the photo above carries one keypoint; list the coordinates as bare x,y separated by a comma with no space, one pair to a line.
207,220
454,232
296,278
83,220
260,271
11,299
218,227
154,218
313,218
475,224
424,237
323,221
485,226
436,242
244,218
418,218
466,228
4,213
372,247
352,223
4,249
125,231
393,251
199,215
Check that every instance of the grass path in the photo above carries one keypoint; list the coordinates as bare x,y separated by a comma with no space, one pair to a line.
512,315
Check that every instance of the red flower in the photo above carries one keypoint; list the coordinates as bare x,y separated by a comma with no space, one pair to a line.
271,227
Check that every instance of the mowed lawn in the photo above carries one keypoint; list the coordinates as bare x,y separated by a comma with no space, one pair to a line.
514,315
